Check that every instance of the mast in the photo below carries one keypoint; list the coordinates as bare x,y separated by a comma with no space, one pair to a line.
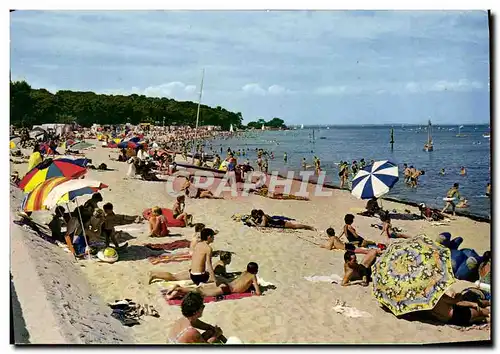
197,117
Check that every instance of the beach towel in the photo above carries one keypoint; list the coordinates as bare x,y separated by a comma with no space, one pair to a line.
347,311
275,229
169,216
332,279
169,245
168,258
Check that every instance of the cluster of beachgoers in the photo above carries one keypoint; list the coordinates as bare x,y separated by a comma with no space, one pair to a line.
413,268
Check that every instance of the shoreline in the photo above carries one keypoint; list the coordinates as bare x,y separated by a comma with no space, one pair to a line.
313,181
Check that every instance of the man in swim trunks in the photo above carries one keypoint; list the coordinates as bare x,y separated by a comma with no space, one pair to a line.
451,195
358,273
202,270
245,282
259,218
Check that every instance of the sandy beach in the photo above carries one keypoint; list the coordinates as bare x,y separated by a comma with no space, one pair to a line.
297,311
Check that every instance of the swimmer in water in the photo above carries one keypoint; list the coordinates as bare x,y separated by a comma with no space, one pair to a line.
488,190
463,171
285,157
442,173
304,164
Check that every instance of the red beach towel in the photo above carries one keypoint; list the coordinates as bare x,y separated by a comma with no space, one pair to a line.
169,216
169,246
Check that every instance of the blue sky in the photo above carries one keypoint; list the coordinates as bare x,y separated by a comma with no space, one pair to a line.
311,67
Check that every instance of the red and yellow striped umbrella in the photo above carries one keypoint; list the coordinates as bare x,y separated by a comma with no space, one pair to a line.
33,201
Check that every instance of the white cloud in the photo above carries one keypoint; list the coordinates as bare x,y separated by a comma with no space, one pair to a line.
276,90
171,89
337,90
255,89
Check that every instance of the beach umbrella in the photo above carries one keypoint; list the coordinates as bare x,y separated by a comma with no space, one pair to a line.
375,180
34,200
12,145
73,159
72,189
48,169
412,275
80,145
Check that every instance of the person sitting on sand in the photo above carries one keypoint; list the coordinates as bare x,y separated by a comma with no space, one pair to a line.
454,310
157,223
388,230
55,225
220,267
178,210
259,218
372,208
35,158
193,192
108,227
184,331
356,273
352,235
245,282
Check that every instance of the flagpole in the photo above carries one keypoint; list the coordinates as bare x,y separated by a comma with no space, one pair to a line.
197,117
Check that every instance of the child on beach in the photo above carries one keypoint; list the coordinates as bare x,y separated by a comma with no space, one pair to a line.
388,230
178,210
110,221
334,242
245,282
157,223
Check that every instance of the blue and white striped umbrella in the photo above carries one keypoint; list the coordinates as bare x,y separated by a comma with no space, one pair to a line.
375,180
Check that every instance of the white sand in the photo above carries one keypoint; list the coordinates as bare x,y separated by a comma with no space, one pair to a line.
298,311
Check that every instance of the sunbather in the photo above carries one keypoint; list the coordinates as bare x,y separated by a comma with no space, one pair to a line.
246,281
388,230
454,310
334,242
184,330
178,210
259,218
157,223
358,273
193,192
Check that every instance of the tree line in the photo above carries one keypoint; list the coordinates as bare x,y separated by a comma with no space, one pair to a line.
30,107
273,123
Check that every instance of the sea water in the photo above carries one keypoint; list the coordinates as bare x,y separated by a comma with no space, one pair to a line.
372,142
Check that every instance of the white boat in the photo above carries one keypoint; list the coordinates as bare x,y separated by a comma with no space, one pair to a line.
302,126
231,129
263,128
486,135
429,145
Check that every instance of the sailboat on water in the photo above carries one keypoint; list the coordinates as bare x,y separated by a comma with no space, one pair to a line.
460,135
231,129
302,126
429,145
263,128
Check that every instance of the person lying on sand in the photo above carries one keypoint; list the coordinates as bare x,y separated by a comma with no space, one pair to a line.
193,192
352,235
259,218
454,310
220,267
358,273
335,243
178,210
242,284
157,223
184,330
388,230
430,214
